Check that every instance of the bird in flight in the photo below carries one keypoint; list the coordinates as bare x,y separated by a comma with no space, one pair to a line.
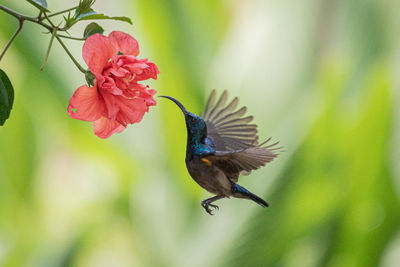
222,145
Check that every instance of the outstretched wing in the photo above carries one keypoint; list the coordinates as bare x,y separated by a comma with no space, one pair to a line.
227,127
246,160
235,139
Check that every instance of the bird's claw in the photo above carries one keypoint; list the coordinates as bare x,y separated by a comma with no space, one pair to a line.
207,206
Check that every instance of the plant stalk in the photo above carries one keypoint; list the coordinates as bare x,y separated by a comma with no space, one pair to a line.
62,11
21,23
49,48
71,56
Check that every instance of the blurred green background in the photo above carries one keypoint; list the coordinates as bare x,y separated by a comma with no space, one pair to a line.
320,76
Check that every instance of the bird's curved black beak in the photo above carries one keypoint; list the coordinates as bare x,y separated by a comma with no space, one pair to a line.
184,110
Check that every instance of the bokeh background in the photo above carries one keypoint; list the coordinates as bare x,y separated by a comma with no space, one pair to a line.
321,76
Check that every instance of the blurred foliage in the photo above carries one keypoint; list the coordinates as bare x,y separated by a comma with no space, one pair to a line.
318,75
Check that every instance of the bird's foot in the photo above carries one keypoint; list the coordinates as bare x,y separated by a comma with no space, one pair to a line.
206,205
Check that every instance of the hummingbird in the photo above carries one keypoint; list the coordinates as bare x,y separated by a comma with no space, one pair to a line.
222,145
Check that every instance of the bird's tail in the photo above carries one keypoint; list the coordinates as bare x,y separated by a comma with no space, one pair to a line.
246,193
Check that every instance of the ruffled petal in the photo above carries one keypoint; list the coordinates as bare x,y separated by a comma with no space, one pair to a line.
147,95
86,104
97,51
150,71
110,104
130,110
124,43
108,85
105,127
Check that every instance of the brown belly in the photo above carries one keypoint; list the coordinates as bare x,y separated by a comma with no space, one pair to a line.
209,177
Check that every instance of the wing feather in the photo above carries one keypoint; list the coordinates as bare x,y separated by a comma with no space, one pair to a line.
220,104
210,103
227,110
233,117
245,160
234,138
226,124
238,127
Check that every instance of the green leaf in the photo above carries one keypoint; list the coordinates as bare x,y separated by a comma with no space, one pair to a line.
80,14
6,97
102,16
90,14
69,21
91,29
41,4
84,6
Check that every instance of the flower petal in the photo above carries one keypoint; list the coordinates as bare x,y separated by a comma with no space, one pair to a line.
130,110
124,43
107,84
110,104
150,71
86,104
147,95
105,127
97,51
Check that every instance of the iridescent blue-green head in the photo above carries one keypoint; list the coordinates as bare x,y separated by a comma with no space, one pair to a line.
196,126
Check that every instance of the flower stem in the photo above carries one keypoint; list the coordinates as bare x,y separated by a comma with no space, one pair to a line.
71,37
62,11
49,48
19,16
52,28
47,18
21,23
70,55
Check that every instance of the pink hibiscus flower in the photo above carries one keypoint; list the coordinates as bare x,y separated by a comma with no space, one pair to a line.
116,99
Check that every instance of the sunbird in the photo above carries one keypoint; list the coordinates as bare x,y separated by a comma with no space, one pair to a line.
221,145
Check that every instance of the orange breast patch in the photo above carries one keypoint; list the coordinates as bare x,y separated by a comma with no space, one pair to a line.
207,162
